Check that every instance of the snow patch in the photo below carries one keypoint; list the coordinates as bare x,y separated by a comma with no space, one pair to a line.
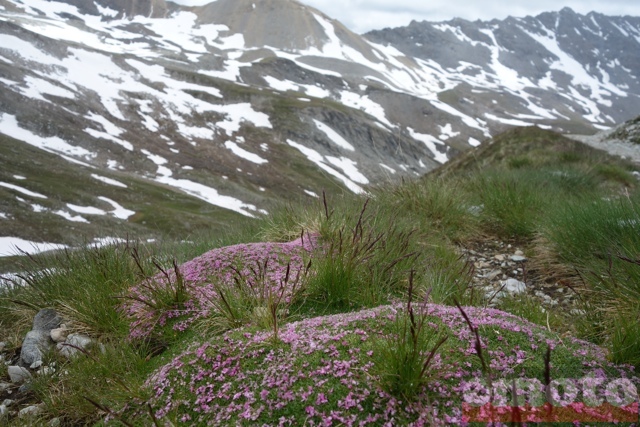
431,143
22,190
66,215
318,159
119,211
334,136
9,126
10,246
241,152
108,181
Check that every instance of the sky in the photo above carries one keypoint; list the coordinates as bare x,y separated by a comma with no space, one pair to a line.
363,15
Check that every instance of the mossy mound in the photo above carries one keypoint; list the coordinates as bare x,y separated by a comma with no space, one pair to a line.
323,371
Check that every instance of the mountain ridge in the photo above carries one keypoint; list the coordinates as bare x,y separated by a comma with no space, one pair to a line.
190,100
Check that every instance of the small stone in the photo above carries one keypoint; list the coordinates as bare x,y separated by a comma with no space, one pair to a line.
3,345
55,422
46,320
518,258
46,370
518,252
30,411
59,334
493,274
3,412
35,365
499,257
18,374
514,286
7,402
25,388
69,348
4,387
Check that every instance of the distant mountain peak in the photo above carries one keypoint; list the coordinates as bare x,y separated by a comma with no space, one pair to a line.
283,24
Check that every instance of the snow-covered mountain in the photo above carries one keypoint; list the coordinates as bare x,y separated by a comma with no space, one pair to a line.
148,117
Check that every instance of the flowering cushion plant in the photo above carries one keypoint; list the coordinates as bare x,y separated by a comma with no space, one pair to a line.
322,371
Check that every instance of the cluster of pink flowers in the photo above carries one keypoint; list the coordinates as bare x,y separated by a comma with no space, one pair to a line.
321,373
201,276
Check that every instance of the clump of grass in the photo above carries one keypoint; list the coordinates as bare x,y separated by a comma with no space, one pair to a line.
437,204
585,233
601,240
287,220
521,161
511,202
82,287
254,297
403,358
168,293
361,266
111,375
615,173
447,277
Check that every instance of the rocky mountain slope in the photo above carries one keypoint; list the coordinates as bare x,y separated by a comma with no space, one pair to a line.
149,118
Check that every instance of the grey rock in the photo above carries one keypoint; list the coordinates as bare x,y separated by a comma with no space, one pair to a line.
46,320
35,344
18,374
493,274
35,365
55,422
7,402
30,411
3,412
69,348
514,286
38,340
475,210
25,388
518,258
3,345
4,387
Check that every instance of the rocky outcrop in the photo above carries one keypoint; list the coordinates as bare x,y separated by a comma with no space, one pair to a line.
38,341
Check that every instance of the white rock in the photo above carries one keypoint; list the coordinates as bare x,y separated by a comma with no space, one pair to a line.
59,334
55,422
3,411
4,387
518,252
518,258
69,348
35,365
3,345
30,411
514,286
46,370
18,374
493,274
7,402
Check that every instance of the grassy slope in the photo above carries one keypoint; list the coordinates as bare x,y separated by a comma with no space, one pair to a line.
315,354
